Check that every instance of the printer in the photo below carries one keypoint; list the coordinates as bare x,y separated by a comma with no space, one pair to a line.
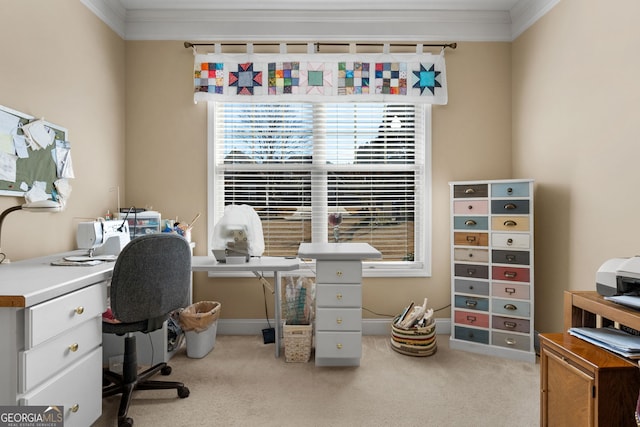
619,276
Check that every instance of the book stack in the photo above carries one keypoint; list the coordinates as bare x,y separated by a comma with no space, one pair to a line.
414,331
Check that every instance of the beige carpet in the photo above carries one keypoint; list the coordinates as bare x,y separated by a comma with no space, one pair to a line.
241,383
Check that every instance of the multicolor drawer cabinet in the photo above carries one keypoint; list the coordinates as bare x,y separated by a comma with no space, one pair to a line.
492,268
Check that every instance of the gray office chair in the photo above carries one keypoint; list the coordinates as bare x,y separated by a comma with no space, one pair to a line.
151,278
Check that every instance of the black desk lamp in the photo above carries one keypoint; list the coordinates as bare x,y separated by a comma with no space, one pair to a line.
40,206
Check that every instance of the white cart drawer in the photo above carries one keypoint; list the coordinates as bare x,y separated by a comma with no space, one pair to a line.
338,272
48,319
338,345
76,388
39,363
339,319
338,295
511,240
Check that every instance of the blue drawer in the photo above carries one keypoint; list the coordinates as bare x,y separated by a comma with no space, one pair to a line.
471,223
471,303
510,189
469,334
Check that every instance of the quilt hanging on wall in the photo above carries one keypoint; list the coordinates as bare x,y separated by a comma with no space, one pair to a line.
318,77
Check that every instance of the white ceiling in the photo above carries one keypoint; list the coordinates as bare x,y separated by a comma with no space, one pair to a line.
320,20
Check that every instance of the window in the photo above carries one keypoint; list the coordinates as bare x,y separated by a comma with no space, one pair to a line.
348,172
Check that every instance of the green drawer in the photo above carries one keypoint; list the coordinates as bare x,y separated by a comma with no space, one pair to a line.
471,303
471,223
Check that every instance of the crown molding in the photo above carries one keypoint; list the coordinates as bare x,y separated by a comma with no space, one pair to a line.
293,20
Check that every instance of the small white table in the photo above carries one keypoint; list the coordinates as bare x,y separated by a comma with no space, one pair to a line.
254,265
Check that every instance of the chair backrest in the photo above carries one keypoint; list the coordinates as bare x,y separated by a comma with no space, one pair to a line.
151,277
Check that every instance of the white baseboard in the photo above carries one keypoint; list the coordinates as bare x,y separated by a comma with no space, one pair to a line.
369,326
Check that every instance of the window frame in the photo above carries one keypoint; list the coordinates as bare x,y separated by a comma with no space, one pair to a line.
370,268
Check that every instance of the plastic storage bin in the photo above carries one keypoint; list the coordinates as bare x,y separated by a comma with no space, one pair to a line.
141,223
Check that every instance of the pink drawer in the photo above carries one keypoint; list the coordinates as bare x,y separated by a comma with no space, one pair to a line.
472,319
514,274
510,290
476,207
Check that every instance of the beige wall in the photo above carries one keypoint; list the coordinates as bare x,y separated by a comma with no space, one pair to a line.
576,101
167,169
60,62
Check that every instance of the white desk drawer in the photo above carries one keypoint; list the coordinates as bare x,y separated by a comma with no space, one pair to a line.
338,295
48,319
39,363
340,345
76,388
338,272
339,319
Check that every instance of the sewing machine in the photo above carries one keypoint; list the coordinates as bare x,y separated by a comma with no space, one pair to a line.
103,237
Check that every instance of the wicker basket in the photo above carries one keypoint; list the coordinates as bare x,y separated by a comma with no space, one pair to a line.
297,342
416,341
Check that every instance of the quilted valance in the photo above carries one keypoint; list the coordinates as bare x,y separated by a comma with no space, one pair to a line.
320,77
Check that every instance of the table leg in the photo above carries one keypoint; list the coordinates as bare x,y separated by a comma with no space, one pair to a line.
277,310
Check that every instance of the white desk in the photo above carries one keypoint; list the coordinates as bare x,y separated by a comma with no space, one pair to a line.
274,264
51,352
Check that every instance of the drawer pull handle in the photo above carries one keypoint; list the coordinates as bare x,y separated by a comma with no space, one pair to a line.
510,341
471,303
338,296
509,242
469,191
339,346
339,321
510,206
339,273
75,408
471,319
511,258
470,222
509,190
470,207
471,239
79,310
510,290
510,307
510,223
510,325
510,274
471,271
74,347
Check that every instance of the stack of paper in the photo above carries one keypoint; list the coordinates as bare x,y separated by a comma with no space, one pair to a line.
612,339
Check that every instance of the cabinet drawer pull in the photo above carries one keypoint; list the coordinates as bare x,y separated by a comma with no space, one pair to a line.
471,271
470,207
470,222
471,303
339,321
469,191
509,291
471,319
339,273
510,307
79,310
510,206
510,274
510,258
509,241
75,408
73,347
339,346
471,239
509,190
510,325
510,341
338,297
510,223
470,255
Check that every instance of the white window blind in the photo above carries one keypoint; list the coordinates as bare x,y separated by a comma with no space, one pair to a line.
301,165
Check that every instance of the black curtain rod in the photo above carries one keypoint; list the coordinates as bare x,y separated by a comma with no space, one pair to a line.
318,44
